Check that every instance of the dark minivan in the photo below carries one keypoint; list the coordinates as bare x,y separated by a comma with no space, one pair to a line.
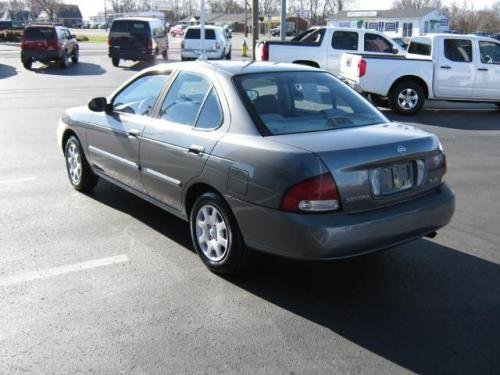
137,39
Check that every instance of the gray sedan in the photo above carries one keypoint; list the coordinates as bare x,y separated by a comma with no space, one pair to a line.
280,158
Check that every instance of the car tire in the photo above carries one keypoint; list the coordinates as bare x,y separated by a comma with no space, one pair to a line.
378,100
80,175
76,56
498,105
406,98
164,55
115,61
63,60
228,56
216,236
27,63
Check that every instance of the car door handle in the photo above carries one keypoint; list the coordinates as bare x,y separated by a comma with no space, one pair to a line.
445,67
133,133
482,69
196,150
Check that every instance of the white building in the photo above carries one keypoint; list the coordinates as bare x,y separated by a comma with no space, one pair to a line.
394,22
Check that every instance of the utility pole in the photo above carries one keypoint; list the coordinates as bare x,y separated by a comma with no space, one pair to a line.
203,55
255,25
105,15
283,20
246,19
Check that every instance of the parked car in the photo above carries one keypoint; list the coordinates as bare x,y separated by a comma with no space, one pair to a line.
47,43
137,39
217,45
496,36
281,158
322,47
11,25
178,30
438,66
275,31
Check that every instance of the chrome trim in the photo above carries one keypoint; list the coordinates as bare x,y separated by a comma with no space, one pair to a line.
117,158
161,143
161,176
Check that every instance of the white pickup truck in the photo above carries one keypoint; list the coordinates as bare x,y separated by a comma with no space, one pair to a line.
439,66
322,47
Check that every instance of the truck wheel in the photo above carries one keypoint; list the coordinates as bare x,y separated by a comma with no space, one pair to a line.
76,56
228,56
378,100
27,63
63,60
406,98
115,61
165,55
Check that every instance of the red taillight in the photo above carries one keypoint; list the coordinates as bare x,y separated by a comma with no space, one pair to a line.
109,42
317,194
150,43
23,43
53,44
361,68
264,54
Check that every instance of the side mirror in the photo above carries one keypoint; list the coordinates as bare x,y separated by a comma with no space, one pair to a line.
99,105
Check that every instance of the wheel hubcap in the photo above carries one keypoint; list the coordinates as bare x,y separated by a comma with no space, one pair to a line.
408,99
211,233
74,163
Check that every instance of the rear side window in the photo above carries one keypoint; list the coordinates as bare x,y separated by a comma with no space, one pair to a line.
139,96
458,50
195,34
211,114
420,48
315,37
377,43
184,99
39,33
345,40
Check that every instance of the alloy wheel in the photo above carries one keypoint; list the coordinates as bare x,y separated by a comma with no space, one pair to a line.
212,233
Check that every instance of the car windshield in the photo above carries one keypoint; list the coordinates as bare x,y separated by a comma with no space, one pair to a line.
300,102
195,34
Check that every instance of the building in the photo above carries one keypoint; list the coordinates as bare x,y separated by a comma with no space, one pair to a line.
68,15
394,22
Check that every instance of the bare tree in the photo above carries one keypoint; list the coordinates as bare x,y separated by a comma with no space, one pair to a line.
416,4
50,7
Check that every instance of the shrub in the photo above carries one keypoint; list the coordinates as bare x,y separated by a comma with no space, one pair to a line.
82,38
11,35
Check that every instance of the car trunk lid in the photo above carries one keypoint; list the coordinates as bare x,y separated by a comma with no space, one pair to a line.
378,165
130,35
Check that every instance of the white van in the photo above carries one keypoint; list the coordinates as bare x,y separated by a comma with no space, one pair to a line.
217,45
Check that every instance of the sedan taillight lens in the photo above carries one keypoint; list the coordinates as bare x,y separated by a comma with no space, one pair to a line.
317,194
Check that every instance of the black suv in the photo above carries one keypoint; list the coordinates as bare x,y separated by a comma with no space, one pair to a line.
137,39
46,43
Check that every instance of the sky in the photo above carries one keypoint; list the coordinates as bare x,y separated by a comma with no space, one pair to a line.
92,7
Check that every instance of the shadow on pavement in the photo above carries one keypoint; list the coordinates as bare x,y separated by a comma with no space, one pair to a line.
424,306
7,71
486,118
80,69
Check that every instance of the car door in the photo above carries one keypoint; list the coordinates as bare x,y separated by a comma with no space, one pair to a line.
176,144
342,42
113,137
454,69
487,85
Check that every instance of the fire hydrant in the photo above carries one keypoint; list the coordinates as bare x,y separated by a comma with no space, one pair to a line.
244,49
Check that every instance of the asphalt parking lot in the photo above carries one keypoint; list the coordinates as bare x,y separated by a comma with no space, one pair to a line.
107,283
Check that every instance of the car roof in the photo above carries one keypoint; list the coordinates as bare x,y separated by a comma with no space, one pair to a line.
232,68
206,27
145,19
455,36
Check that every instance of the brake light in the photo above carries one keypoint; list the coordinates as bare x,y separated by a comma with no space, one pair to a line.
264,52
53,44
109,42
361,68
317,194
23,43
150,43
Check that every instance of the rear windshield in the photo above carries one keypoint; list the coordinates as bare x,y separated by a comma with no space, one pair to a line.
195,34
420,47
39,33
132,27
301,102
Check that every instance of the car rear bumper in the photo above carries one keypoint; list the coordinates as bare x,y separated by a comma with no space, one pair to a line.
341,235
211,55
355,85
40,55
135,55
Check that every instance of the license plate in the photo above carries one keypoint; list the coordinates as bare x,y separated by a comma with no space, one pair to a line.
391,179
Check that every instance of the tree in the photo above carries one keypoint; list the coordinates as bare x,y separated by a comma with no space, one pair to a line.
416,4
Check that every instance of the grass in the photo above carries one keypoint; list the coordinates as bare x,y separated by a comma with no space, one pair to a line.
92,38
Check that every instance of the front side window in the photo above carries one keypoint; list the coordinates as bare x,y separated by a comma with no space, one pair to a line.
490,52
311,36
139,96
345,40
458,50
300,102
184,99
377,43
